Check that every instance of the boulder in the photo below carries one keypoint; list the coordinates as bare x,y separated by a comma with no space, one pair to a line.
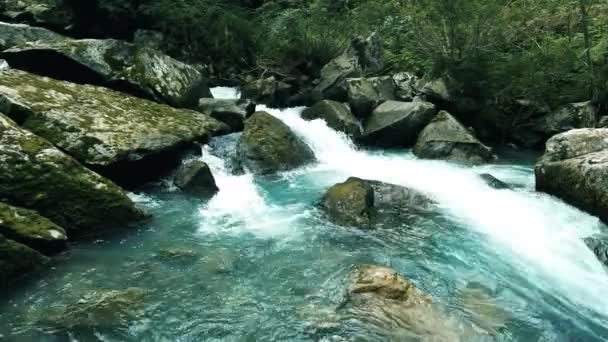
16,260
365,94
370,204
535,132
127,139
446,138
55,14
494,182
225,148
397,124
12,35
361,58
602,122
386,283
97,309
115,64
268,91
29,228
406,86
574,168
232,112
267,145
336,115
36,175
599,246
437,91
196,177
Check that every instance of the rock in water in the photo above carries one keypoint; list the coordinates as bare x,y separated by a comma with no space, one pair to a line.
225,148
36,175
127,139
336,115
494,182
397,124
575,169
268,145
31,229
12,35
232,112
446,138
16,260
196,177
371,204
599,246
115,64
365,94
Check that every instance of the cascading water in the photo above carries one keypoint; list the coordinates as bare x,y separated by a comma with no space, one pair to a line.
259,262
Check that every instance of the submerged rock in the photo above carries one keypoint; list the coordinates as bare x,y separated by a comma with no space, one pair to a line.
494,182
575,169
371,204
196,177
267,145
446,138
36,175
365,94
31,229
336,115
127,139
16,260
12,35
225,148
114,64
232,112
397,124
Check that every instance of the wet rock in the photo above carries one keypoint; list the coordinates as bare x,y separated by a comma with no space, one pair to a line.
31,229
494,182
16,260
575,169
115,64
55,14
599,246
365,94
371,204
127,139
96,309
225,148
482,309
268,91
337,116
12,35
406,86
361,58
232,112
446,138
177,254
195,177
267,145
397,124
36,175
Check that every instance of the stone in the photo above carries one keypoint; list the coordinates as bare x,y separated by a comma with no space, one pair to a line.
12,35
127,139
29,228
195,177
365,94
397,124
267,145
494,182
36,175
599,246
437,91
17,260
268,91
406,86
574,168
336,115
56,14
225,148
115,64
232,112
446,138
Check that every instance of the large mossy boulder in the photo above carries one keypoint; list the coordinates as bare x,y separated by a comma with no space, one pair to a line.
267,145
29,228
232,112
195,177
361,58
397,124
36,175
370,204
127,139
575,169
446,138
16,260
337,116
365,94
12,35
269,91
115,64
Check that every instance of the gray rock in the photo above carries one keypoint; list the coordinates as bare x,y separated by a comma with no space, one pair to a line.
446,138
337,115
268,91
12,35
397,124
225,147
599,246
494,182
406,86
437,91
365,94
4,65
232,112
56,14
17,260
267,145
575,169
196,177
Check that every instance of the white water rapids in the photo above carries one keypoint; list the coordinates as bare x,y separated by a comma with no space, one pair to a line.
538,234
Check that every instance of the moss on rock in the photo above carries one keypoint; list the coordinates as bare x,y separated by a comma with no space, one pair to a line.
16,260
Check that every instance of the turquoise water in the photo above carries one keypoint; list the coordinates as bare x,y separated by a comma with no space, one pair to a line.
260,263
